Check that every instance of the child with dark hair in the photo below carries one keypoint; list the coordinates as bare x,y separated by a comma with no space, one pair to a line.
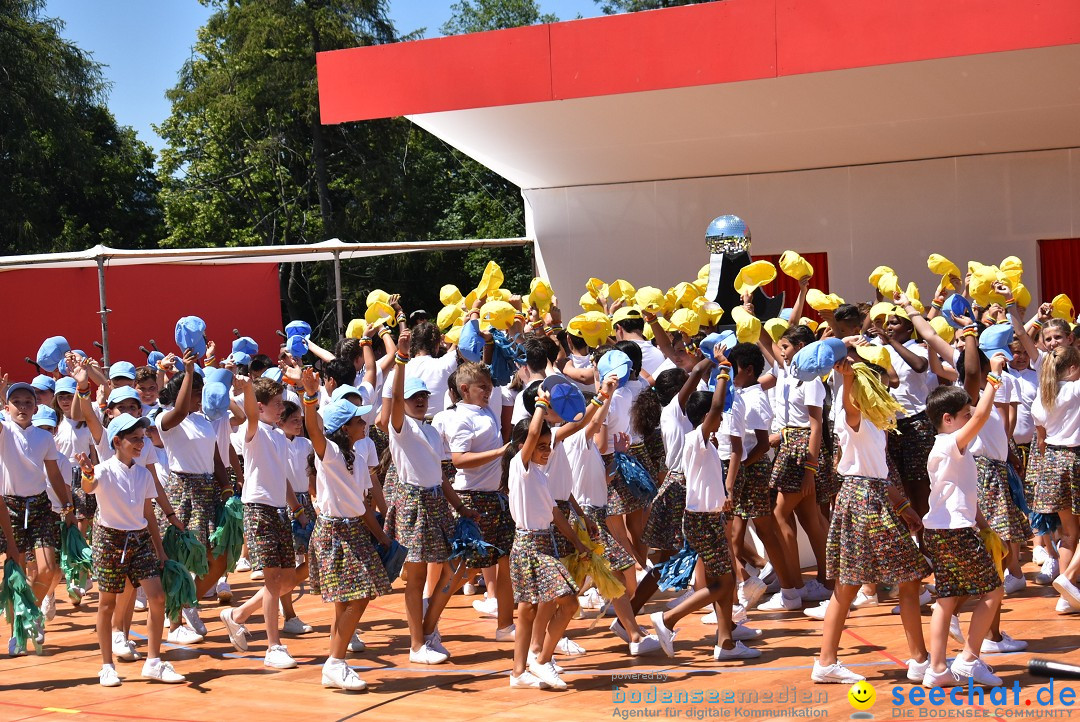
663,528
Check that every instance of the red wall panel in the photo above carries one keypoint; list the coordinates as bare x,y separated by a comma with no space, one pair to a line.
1058,261
790,287
146,302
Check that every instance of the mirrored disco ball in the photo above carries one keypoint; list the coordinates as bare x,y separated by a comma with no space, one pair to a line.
727,233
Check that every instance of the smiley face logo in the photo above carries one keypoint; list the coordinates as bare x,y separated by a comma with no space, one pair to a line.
861,695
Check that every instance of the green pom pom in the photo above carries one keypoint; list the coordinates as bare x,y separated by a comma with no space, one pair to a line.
179,588
228,537
184,547
75,556
19,605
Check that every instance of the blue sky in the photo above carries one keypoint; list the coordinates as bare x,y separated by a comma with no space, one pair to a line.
143,43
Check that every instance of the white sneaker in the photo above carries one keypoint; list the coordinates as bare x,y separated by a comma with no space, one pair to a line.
818,612
954,629
434,640
834,674
767,573
592,599
665,636
531,657
108,677
942,679
426,655
1050,569
14,650
1068,590
750,592
739,651
738,613
526,680
257,575
571,648
709,618
1039,555
487,607
278,657
815,591
243,565
470,589
121,650
865,600
672,603
356,644
1014,584
184,635
649,644
191,615
1063,607
75,594
39,636
140,600
224,593
1004,645
342,676
162,672
741,633
916,671
506,634
546,673
779,602
977,670
48,606
237,632
296,626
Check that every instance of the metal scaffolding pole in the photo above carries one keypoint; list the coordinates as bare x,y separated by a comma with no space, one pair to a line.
104,312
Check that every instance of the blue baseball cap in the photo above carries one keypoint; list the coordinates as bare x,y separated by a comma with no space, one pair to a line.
470,342
122,370
725,340
566,399
615,362
996,339
52,352
240,358
44,416
42,382
213,374
346,390
124,422
785,313
816,359
340,412
298,328
66,385
414,386
273,373
153,358
297,346
191,334
957,305
62,367
20,386
123,394
215,400
245,344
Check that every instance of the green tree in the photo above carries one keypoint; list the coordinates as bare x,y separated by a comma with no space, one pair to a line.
476,16
70,177
613,7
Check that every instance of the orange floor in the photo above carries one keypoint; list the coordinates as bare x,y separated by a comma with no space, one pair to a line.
473,685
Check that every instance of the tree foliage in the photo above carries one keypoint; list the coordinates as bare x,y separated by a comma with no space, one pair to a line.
477,16
612,7
70,177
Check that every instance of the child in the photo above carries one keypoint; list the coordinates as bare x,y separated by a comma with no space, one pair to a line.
127,545
350,571
267,527
869,538
302,483
543,588
952,526
703,526
663,528
73,438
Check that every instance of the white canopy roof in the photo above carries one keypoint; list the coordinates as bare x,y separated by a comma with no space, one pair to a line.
324,251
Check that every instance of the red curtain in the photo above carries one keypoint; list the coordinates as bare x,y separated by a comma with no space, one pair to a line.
790,287
1059,261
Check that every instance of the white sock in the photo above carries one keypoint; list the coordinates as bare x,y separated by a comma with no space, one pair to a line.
153,661
334,662
107,666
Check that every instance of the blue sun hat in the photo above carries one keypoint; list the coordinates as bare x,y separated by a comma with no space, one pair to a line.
245,344
565,398
340,412
996,339
215,400
191,334
297,346
45,416
615,362
816,359
51,353
957,305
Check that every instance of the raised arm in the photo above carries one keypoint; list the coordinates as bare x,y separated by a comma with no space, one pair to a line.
701,368
966,435
800,300
936,343
397,399
171,418
310,382
852,414
1019,331
711,424
251,408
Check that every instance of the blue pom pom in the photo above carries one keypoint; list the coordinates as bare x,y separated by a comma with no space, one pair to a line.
636,476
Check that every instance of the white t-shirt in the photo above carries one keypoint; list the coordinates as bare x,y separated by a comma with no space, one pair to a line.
582,362
433,371
150,454
754,414
474,429
531,501
914,387
72,439
992,440
417,451
559,475
23,453
340,492
651,357
366,456
1026,388
297,469
792,399
519,413
266,458
618,418
590,475
674,426
954,486
704,471
121,493
495,403
371,395
863,450
1062,423
190,445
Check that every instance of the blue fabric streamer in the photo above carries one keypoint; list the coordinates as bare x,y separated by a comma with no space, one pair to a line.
1044,523
468,543
676,572
506,358
729,397
636,476
1016,490
393,557
303,534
